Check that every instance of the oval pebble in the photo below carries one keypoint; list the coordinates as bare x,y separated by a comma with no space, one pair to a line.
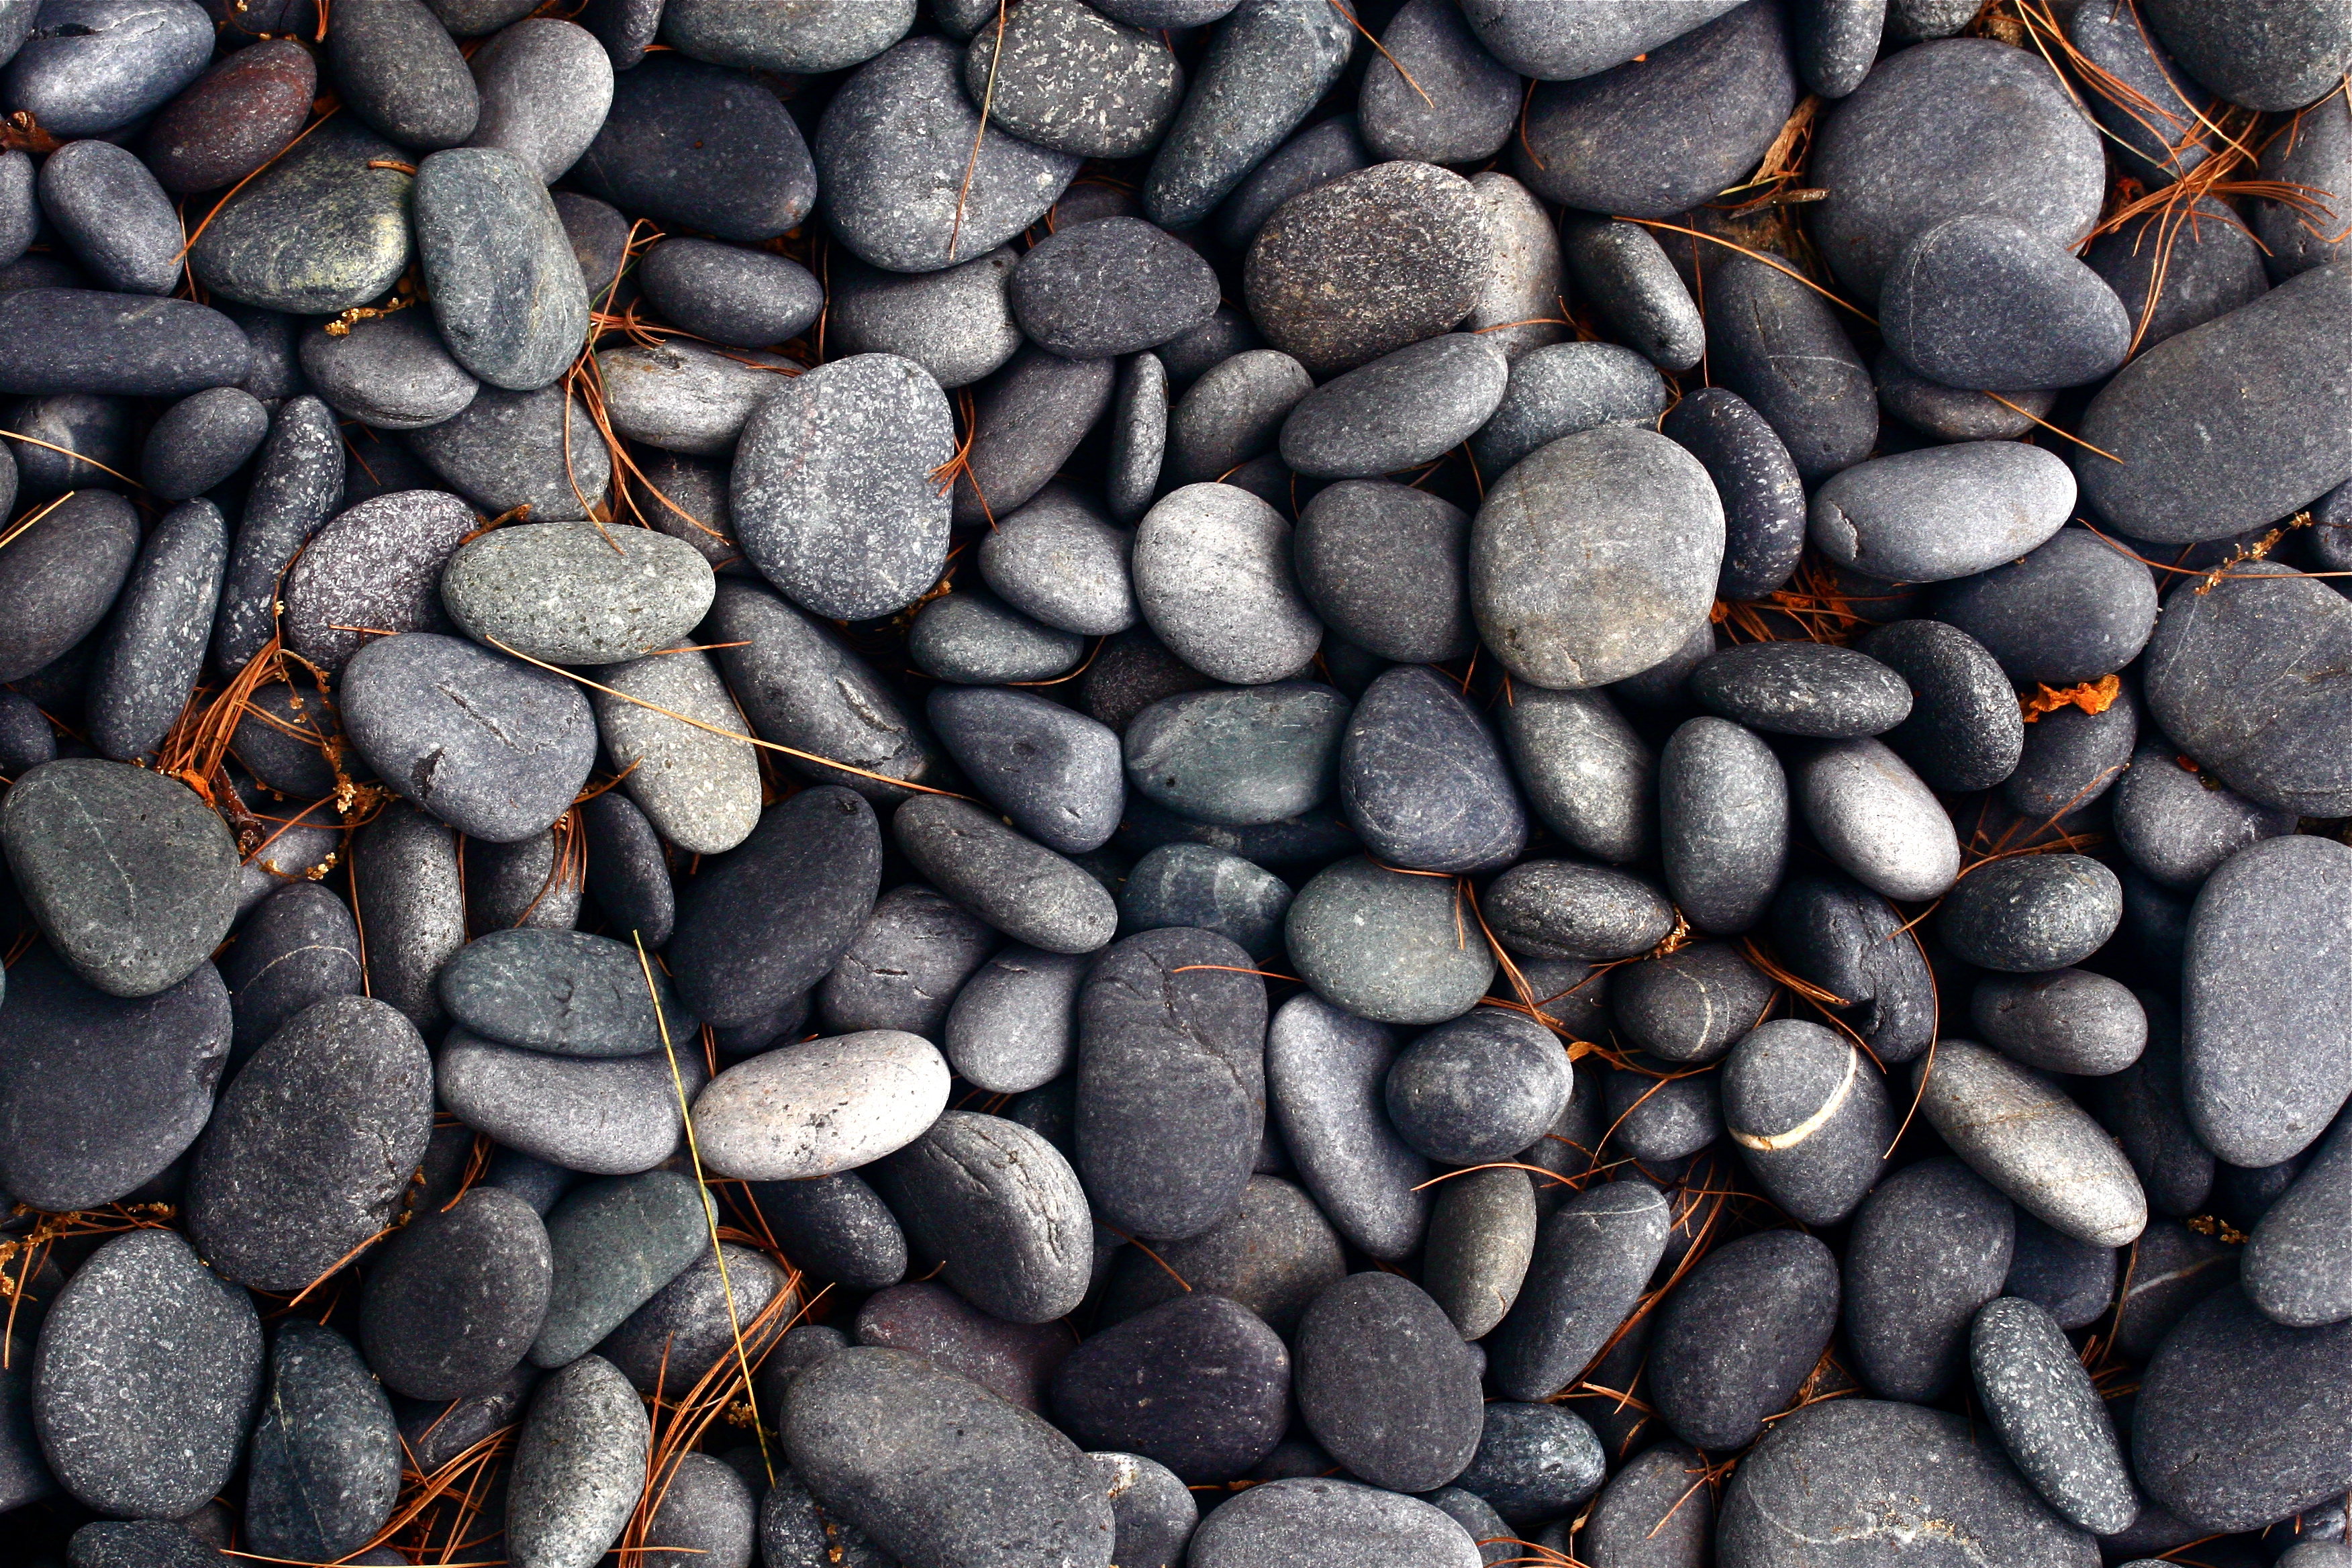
1386,1384
821,1106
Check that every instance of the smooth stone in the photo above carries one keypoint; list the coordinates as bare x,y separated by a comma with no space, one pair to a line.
2293,1267
507,292
1199,886
152,649
400,71
507,450
1876,819
86,436
1138,443
2051,1422
600,1116
1626,141
1519,303
1233,412
1689,1006
144,1379
234,118
1248,757
627,871
1964,732
410,890
1560,391
1950,413
298,480
1326,1075
1961,126
728,294
1386,1384
1813,1122
576,593
198,442
1298,1521
1435,93
376,566
308,1153
1385,945
96,343
2265,1064
1805,689
683,396
1478,1088
102,201
1723,823
392,373
2142,1106
1482,1235
1002,1487
1777,345
324,1469
1739,1335
1013,1024
1266,66
1942,512
1015,884
822,1106
1593,1255
2275,61
1056,773
1382,564
2161,148
167,893
707,1516
142,1543
614,1243
2239,1420
891,150
835,1227
1648,1516
1927,1247
805,40
1214,580
1763,499
2065,1021
803,685
672,1343
669,723
972,638
1983,302
1551,44
1872,1476
767,922
1059,562
702,146
2073,610
1422,779
2173,1270
1403,245
2212,267
2177,826
955,322
2071,1281
316,233
1274,1256
1115,286
2021,1133
1559,909
544,88
1025,424
1659,1116
2031,913
1591,560
1065,76
298,946
796,1531
1014,1361
1154,1510
1198,1383
1586,775
1004,1209
1535,1462
579,1465
86,67
1623,271
562,992
1405,408
63,573
2071,759
906,966
501,764
2234,676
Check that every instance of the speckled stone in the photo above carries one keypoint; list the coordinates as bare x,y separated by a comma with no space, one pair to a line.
1944,511
564,993
2021,1133
2177,826
578,1466
1386,1384
1562,389
614,1244
411,892
2275,61
2066,1020
1325,1072
1779,347
1433,93
1482,1234
2051,1420
1422,779
954,322
1058,562
1266,65
1026,422
93,342
601,1116
1478,1088
2032,914
700,146
316,233
906,966
1723,823
697,784
1408,407
1593,1255
152,649
1015,884
325,1463
1551,44
1624,273
667,1345
509,450
1065,76
1927,1249
1740,1333
708,1515
507,292
822,1106
575,592
1586,775
1003,1208
1385,944
1301,1520
102,201
1812,1118
298,479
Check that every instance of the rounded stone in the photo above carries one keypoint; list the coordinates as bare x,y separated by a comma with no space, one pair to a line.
2052,1421
1478,1088
1198,1383
1405,408
1214,580
1015,884
605,1116
1562,389
1325,1076
614,1246
1197,885
1422,779
2178,827
1002,1206
1723,823
1482,1234
2073,610
1965,731
1740,1333
906,966
579,1464
1927,1249
2031,913
1013,1024
1558,910
507,292
1300,1521
1876,819
1386,1384
1063,76
1386,944
375,567
1689,1006
545,86
577,593
1265,68
1593,1256
1115,286
562,992
234,118
456,1296
1248,757
2065,1021
324,1467
1383,565
702,146
1777,346
822,1106
1586,775
2021,1132
1059,563
1806,688
1435,93
1983,302
1943,511
1812,1119
954,322
669,724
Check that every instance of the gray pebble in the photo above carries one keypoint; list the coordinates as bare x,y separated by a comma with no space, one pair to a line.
954,322
300,945
1257,755
297,481
95,66
2031,913
509,450
1111,287
730,294
669,1345
1199,1382
324,1467
827,37
1025,424
1213,579
316,233
1559,909
1155,1513
152,649
375,567
684,396
1723,823
400,73
1274,1256
2066,1021
104,204
1012,1026
1927,1249
1518,305
1806,688
2293,1268
614,1244
1942,512
1302,1520
1015,883
1015,1362
820,1107
702,146
201,440
1479,1088
1325,1072
2142,1106
1055,772
706,1515
2052,1423
601,1116
1983,302
1593,1256
1740,1334
1562,389
697,784
835,1227
1586,775
68,567
1623,273
2172,1269
544,85
1387,945
2211,270
1423,780
1812,1118
1386,1384
1233,412
1060,563
2177,826
1482,1234
971,637
1777,345
1689,1006
562,992
904,968
576,593
2021,1133
1659,1115
2271,63
409,889
2071,759
1199,886
1266,66
1551,44
1876,819
1965,731
1138,440
1949,413
1063,76
455,1298
2073,1281
507,292
579,1465
2076,609
1405,408
1382,564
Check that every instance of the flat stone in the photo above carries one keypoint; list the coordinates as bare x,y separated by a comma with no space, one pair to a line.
1266,67
955,322
153,649
1013,1024
1386,1384
579,1464
1004,1209
2051,1420
168,894
2067,1021
562,992
1367,264
1297,1522
1384,945
1865,1474
1423,780
455,1297
1233,412
1059,562
683,396
1198,1383
1325,1076
1691,1005
1433,93
1803,689
2031,914
703,147
325,1463
507,292
199,441
1586,775
1535,1463
87,341
890,154
1056,773
2178,827
1245,757
373,568
972,638
730,294
1723,823
300,945
669,725
1408,407
614,1243
1540,41
1593,1256
1201,885
1064,77
601,1116
822,38
835,1227
1214,580
1560,390
1559,909
69,567
2021,1133
1014,883
144,1379
1000,1483
1659,1116
545,87
1927,1249
233,118
1812,1118
1739,1335
316,233
576,592
822,1106
501,764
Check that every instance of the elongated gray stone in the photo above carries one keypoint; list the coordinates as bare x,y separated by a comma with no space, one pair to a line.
154,648
1266,65
2051,1420
1015,884
669,723
2021,1133
1943,511
576,592
325,1464
373,568
1004,1209
318,232
1877,820
578,1466
1326,1071
507,292
822,1106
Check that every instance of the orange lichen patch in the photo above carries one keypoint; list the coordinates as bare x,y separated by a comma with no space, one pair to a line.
2090,696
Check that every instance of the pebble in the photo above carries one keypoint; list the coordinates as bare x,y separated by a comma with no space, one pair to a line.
1777,345
1265,68
1403,245
1942,512
615,1243
400,73
2073,610
1115,286
1055,773
106,207
2176,826
410,890
700,146
1004,1485
1534,1462
669,1344
1723,823
1326,1075
1214,580
837,1228
2214,268
607,1115
507,294
2277,66
1763,499
1015,884
144,1379
1591,560
1813,1121
1060,563
1593,1255
1435,93
1385,944
1804,689
906,967
153,649
1624,273
576,593
1300,1521
300,945
1274,1256
707,1516
1876,819
2065,1021
2052,1423
1739,1334
2021,1132
1026,421
821,1106
1199,1384
2031,913
669,725
94,343
1013,1361
1482,1234
455,1297
825,37
1199,886
1586,775
1478,1088
68,567
1422,779
1558,910
972,638
1930,1246
316,233
1013,1024
1154,1512
1401,410
509,450
579,1465
1244,758
1004,1209
1385,1384
324,1469
2052,321
955,322
373,568
563,992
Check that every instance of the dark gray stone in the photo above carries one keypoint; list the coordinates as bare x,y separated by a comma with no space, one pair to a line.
2142,1106
2172,1269
1558,909
604,1116
1812,1118
1423,780
2266,1058
98,1094
579,1464
706,1515
1949,413
87,341
1658,1115
144,1544
510,449
1876,819
730,294
1382,564
1111,287
545,87
1214,580
152,649
1739,1335
570,593
110,211
2158,148
562,992
200,441
1689,1006
1326,1073
1624,272
1405,408
2239,1420
1981,302
376,567
2052,1423
410,892
906,966
1633,139
1155,1513
1063,76
1478,1088
1275,1256
1776,344
400,73
1266,67
999,1485
2294,1268
1198,1383
760,927
702,146
2212,267
1805,689
2073,610
1433,93
1058,562
1586,775
1965,731
954,322
310,1153
1763,499
2071,759
1551,44
2073,1281
1300,1521
1199,886
2066,1021
91,66
1386,1384
807,40
1012,883
1942,512
455,1297
685,397
972,638
1372,261
614,1244
837,1229
1243,758
507,292
796,1532
1482,1234
500,763
1055,773
300,945
1015,1362
1927,1249
2270,60
1593,1256
1385,945
1232,413
325,1462
144,1379
2177,825
166,892
1535,1462
297,482
392,373
891,151
1649,1515
1872,1477
1723,823
1138,443
1025,424
672,1343
1013,1024
2031,913
1004,1209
